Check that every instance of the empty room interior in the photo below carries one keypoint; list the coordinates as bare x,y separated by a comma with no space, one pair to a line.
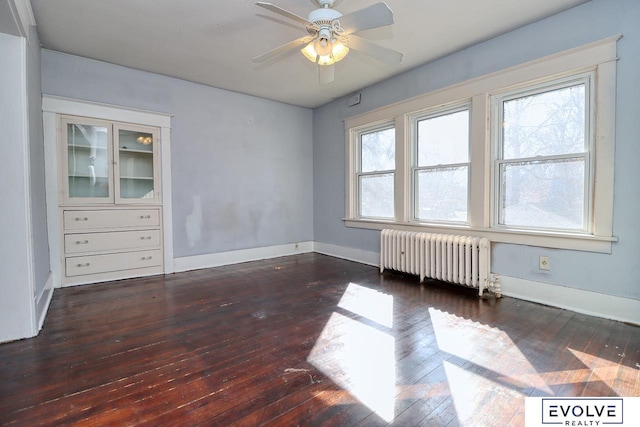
317,212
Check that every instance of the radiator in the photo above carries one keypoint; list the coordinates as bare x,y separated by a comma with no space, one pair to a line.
463,260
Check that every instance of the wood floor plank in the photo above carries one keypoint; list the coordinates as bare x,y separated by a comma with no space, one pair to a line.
304,340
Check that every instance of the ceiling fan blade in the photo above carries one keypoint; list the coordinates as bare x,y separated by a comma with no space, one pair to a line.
377,15
280,11
282,49
380,53
326,73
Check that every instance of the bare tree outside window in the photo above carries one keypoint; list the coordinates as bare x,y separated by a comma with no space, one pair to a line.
543,162
376,175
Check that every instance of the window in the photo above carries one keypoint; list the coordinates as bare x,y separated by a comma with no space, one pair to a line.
440,174
542,167
523,156
376,150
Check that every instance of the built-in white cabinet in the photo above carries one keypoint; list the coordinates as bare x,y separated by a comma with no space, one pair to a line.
104,243
110,204
104,162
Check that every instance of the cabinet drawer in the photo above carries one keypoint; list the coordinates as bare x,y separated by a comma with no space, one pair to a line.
121,240
90,220
92,264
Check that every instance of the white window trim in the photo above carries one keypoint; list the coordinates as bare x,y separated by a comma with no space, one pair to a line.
599,57
588,80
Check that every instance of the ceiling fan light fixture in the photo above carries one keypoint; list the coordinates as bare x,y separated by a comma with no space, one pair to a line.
330,35
322,44
310,53
338,52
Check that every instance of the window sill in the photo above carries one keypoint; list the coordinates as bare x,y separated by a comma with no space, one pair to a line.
579,242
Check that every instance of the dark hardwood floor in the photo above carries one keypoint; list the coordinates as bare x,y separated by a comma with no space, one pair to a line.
304,340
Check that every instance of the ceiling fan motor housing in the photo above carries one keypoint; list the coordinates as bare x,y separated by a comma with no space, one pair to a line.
323,17
326,3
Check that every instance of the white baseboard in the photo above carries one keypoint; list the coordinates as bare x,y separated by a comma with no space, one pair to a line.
351,254
43,301
243,255
578,300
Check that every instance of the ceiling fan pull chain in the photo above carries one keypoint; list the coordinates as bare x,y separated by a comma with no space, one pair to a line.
339,32
337,28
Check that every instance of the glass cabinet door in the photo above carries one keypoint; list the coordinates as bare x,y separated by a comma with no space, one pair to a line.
87,161
136,156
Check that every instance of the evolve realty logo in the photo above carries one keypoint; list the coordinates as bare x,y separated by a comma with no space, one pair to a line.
582,411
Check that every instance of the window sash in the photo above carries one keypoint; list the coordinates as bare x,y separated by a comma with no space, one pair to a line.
415,120
359,175
501,165
497,114
359,181
415,172
435,114
369,131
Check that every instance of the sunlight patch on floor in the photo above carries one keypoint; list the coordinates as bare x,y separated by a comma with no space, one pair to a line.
494,351
486,364
596,369
607,371
357,357
473,393
368,303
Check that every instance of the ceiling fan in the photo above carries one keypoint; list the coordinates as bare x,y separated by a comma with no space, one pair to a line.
331,35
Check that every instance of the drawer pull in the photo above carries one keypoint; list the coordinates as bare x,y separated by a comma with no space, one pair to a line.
83,218
82,242
86,264
146,258
145,216
145,238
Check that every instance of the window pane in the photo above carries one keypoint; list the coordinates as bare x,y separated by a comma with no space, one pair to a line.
378,150
544,194
136,164
545,124
442,194
376,196
444,140
88,161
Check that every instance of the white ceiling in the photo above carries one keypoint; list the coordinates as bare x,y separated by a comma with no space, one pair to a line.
212,41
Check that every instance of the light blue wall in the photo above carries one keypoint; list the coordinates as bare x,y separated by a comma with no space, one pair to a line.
36,153
242,170
616,273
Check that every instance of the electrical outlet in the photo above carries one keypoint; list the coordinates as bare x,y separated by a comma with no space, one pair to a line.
545,263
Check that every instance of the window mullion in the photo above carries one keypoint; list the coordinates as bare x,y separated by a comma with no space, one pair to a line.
479,212
402,190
